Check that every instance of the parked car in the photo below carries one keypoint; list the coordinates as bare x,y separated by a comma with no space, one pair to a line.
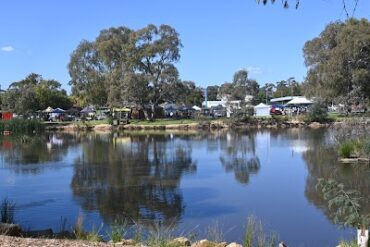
277,110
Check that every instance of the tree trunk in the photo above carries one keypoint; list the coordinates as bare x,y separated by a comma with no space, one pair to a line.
362,237
153,112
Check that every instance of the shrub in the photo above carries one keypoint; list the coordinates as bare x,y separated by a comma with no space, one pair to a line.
318,113
346,149
243,115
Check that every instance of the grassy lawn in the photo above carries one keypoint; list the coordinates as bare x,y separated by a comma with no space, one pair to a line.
163,121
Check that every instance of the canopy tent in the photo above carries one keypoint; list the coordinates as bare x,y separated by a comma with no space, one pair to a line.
262,110
300,101
58,110
197,108
48,110
87,109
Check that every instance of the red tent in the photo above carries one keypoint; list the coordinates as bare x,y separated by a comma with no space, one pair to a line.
7,115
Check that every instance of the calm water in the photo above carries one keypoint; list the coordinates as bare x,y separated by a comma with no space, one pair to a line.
188,179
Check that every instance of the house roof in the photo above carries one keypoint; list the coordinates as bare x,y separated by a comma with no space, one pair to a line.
299,101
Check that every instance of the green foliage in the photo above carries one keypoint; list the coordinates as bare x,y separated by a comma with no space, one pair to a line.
243,115
358,147
345,204
118,231
239,87
78,229
212,92
346,149
352,243
135,66
34,93
318,113
338,62
288,87
21,126
7,210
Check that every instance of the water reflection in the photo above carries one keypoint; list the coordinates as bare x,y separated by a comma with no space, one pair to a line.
23,154
133,177
239,155
179,178
322,162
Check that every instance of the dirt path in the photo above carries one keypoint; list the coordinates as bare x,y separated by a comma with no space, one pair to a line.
32,242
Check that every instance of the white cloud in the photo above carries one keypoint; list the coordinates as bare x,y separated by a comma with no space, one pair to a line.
254,70
8,48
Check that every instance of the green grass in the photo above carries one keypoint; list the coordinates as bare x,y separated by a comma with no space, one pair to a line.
346,149
7,209
163,121
118,231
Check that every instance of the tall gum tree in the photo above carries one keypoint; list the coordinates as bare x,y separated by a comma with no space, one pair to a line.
338,62
125,66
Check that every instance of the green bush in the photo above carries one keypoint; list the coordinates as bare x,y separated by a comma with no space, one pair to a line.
346,149
318,113
243,115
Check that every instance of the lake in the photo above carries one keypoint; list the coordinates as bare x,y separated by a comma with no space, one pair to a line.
197,182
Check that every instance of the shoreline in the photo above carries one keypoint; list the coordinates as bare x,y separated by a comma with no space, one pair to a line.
191,126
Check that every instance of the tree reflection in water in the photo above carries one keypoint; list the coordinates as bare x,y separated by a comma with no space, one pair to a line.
322,162
133,177
25,154
239,155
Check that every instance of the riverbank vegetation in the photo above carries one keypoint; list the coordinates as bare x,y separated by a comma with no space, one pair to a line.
355,148
21,126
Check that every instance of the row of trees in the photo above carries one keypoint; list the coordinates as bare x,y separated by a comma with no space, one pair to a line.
34,93
123,67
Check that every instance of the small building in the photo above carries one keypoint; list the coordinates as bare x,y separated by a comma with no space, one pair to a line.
262,110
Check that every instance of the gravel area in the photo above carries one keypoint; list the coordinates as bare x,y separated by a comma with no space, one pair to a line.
33,242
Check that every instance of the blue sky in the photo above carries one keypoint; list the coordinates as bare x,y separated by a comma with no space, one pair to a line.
219,36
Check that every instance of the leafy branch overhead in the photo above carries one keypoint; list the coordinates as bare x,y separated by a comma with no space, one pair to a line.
346,7
284,2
